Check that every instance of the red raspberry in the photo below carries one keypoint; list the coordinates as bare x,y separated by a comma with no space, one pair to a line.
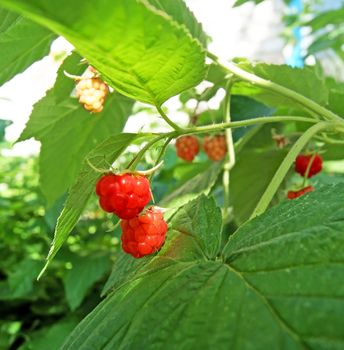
144,234
295,194
187,147
302,162
215,147
91,91
124,195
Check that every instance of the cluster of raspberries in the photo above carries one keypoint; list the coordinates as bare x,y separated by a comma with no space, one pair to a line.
126,195
188,147
307,165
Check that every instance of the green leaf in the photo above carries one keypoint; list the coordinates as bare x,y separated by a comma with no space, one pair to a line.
202,183
203,220
325,18
85,272
280,287
68,132
51,337
178,10
21,281
22,43
301,80
124,269
250,177
242,108
107,152
141,51
241,2
329,40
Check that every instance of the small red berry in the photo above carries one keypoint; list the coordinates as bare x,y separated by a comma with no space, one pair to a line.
215,147
295,194
124,195
302,162
144,234
187,147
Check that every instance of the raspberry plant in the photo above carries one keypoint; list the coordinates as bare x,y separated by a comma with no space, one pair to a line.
242,267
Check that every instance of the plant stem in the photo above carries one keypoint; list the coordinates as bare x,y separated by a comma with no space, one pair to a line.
162,152
269,85
285,166
242,123
230,158
132,165
167,119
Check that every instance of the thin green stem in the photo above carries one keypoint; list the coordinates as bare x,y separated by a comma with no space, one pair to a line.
162,153
230,158
285,166
305,177
167,119
132,165
242,123
269,85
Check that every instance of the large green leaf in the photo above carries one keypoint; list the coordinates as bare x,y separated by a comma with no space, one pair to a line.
201,183
68,132
301,80
202,219
20,281
181,14
86,270
50,337
106,153
325,18
250,177
140,51
279,286
22,43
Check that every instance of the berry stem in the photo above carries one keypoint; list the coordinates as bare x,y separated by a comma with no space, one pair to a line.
168,120
308,170
269,85
285,166
132,165
161,154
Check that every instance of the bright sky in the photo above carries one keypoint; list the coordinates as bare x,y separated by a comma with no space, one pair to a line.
244,31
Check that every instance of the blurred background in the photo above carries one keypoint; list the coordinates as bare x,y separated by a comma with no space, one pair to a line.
295,32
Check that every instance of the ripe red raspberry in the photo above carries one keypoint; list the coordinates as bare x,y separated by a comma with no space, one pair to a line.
302,162
187,147
215,147
295,194
91,91
124,195
144,234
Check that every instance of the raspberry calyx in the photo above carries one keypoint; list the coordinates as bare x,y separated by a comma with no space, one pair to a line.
296,194
125,195
215,147
144,234
187,147
302,162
